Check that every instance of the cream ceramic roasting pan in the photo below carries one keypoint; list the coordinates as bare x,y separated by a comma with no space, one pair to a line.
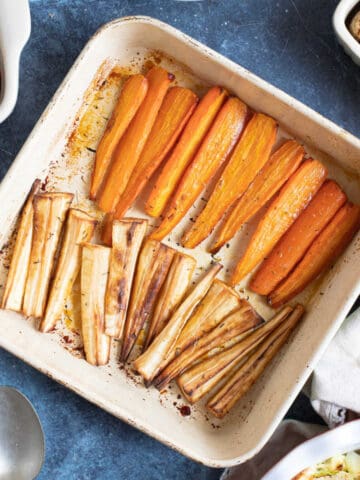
244,432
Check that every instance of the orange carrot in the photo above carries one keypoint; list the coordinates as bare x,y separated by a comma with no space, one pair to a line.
270,179
131,145
213,152
185,150
130,99
293,245
282,212
247,159
325,249
175,110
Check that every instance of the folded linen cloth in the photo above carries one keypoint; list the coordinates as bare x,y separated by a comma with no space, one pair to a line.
333,390
335,383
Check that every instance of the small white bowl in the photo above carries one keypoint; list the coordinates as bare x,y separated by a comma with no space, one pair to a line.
350,45
15,26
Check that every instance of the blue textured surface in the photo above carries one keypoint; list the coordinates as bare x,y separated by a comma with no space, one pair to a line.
288,42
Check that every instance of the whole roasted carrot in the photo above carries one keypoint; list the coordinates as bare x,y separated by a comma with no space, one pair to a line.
293,245
213,152
130,99
175,110
185,150
270,179
247,159
281,214
131,145
325,249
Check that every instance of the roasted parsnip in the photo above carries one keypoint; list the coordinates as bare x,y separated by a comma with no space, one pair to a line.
16,279
172,293
50,210
130,99
234,327
79,229
219,302
94,274
152,267
127,238
200,379
243,378
149,363
249,156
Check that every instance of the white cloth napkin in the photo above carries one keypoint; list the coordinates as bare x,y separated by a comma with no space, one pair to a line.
333,389
335,383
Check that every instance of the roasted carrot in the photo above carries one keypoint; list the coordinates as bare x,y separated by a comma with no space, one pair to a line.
325,249
213,152
130,99
131,145
293,245
281,214
175,111
270,179
185,150
247,159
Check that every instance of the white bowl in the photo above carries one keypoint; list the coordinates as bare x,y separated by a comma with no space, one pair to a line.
350,45
15,26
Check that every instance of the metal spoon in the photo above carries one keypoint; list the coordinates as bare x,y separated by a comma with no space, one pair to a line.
22,442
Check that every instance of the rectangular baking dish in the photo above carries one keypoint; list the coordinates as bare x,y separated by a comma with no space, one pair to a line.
245,431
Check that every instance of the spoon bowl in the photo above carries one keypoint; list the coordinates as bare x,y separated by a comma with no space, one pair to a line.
22,445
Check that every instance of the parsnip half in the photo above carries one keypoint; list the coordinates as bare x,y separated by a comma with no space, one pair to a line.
150,362
200,379
50,211
234,327
152,267
176,284
244,377
219,302
127,237
16,279
79,229
94,274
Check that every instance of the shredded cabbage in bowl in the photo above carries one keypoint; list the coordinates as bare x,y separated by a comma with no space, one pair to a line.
339,467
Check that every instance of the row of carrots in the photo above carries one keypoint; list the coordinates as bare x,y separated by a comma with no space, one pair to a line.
200,334
308,223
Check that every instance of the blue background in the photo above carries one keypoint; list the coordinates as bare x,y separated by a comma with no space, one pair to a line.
289,43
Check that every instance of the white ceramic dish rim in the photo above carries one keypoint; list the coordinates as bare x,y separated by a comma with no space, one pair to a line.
351,46
340,310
